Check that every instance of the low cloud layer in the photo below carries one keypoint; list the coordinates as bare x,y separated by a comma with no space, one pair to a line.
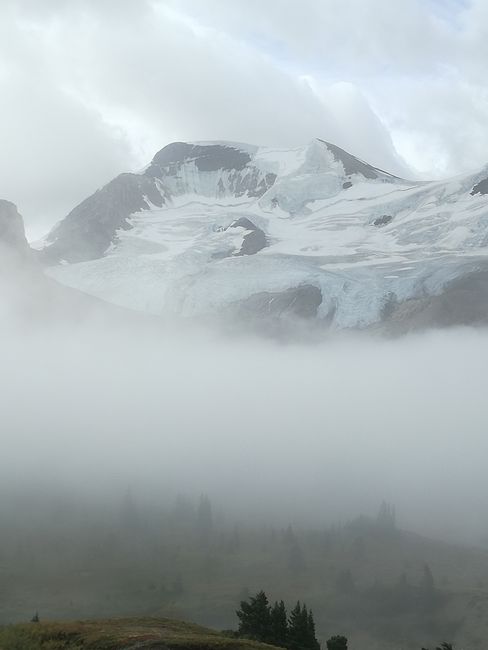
293,432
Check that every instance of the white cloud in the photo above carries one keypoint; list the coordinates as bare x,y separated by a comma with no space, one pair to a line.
95,88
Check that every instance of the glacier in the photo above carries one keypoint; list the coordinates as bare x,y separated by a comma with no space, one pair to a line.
312,232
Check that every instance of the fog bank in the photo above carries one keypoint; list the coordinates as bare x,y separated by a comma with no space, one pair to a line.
286,432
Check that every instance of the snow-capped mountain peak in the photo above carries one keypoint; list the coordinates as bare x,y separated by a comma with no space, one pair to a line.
218,226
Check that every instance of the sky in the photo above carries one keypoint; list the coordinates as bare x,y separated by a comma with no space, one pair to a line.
91,88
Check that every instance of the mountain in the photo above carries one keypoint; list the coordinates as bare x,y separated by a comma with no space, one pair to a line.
311,233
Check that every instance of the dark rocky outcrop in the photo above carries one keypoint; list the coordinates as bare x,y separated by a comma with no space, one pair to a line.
207,158
88,230
254,241
481,187
383,220
297,302
463,301
243,177
353,165
12,233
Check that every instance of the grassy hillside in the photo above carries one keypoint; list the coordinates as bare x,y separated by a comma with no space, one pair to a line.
362,580
119,634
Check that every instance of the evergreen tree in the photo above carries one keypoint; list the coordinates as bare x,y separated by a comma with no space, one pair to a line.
255,618
259,621
313,644
428,593
289,535
298,627
279,624
386,516
427,584
204,517
183,511
337,643
301,629
402,594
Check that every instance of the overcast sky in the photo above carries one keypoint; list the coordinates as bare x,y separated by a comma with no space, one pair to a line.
90,88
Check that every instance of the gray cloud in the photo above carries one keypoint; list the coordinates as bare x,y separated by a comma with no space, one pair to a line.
284,430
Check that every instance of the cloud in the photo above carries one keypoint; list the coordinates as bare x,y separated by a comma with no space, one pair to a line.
95,88
419,66
286,431
55,150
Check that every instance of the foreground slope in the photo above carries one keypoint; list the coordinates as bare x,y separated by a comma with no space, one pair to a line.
311,232
119,634
364,580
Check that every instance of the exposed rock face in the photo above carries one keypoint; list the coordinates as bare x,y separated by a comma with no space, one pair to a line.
480,188
297,302
254,241
383,220
90,228
353,165
464,301
12,233
207,158
215,171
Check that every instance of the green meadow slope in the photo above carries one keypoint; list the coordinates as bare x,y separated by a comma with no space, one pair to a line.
119,634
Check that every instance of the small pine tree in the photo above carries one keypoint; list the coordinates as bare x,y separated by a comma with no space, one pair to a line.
183,511
429,596
337,643
279,624
427,585
386,518
298,627
313,644
204,517
289,535
301,629
255,618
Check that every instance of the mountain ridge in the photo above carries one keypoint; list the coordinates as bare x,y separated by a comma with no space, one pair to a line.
166,240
